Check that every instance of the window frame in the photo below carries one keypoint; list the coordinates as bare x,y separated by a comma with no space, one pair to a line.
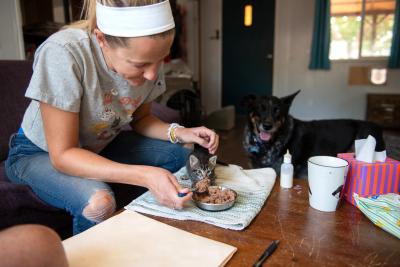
360,58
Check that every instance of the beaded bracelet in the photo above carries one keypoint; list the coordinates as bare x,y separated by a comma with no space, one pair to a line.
171,132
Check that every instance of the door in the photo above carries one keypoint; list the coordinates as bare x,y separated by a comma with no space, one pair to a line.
247,50
211,54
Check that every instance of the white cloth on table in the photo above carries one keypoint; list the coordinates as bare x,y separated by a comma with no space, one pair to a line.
253,187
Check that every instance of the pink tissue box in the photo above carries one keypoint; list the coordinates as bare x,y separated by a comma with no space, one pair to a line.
369,179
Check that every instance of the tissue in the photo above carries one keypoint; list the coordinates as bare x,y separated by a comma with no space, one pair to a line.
365,150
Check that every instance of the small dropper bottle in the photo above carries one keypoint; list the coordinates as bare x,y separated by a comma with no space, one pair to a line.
287,171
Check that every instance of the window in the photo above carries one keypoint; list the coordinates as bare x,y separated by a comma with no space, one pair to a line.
361,28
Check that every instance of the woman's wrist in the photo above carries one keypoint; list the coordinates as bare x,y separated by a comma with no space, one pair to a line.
137,175
172,133
178,134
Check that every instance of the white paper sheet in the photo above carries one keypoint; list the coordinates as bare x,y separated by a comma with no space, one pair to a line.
131,239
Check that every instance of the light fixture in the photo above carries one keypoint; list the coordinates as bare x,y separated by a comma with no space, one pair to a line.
248,15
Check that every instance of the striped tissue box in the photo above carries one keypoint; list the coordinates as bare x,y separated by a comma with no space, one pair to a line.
370,179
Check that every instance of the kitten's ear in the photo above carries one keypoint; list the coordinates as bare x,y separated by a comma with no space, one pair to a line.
194,162
213,160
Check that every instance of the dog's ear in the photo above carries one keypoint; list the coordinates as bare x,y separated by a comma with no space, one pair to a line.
248,101
287,100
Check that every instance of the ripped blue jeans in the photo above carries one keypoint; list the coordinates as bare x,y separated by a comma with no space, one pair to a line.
28,164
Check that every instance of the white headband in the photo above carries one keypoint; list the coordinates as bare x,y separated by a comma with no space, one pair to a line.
134,21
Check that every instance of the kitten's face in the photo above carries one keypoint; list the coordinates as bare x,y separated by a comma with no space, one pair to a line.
202,169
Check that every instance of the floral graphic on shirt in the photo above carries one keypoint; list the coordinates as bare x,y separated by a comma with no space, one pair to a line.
129,112
114,110
107,114
136,102
110,132
116,123
130,105
125,100
107,98
104,135
98,127
114,91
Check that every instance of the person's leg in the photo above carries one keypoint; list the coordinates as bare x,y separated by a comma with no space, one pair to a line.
131,148
31,246
88,201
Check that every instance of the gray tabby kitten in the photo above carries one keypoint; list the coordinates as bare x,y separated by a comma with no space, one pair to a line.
200,165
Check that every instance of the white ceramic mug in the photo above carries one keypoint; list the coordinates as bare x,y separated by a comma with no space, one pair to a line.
326,176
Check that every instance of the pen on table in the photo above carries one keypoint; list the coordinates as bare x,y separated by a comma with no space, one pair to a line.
270,249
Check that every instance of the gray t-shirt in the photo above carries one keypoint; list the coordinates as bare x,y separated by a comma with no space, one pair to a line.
69,72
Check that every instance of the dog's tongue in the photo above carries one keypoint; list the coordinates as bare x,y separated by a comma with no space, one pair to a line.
265,136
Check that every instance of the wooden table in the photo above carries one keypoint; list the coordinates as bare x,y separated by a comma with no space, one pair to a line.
308,237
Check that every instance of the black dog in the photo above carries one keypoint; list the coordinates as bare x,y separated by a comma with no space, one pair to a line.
270,131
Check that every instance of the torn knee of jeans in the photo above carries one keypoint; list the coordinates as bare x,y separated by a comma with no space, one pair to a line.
100,207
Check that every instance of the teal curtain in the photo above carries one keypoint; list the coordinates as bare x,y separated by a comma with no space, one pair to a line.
394,58
321,36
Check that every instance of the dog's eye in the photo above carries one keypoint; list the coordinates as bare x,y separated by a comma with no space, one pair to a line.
275,111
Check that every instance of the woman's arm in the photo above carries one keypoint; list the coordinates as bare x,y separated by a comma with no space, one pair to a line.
148,125
62,137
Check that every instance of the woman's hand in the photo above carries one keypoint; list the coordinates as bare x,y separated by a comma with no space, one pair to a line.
164,186
200,135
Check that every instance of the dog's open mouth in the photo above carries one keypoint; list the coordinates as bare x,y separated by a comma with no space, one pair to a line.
265,136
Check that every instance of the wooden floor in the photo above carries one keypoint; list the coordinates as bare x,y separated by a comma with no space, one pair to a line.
231,149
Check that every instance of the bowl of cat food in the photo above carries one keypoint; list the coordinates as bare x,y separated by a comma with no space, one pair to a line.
215,198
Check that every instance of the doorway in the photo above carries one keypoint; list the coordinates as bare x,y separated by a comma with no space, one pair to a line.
247,55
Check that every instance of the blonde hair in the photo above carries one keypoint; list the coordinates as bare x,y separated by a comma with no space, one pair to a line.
88,18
